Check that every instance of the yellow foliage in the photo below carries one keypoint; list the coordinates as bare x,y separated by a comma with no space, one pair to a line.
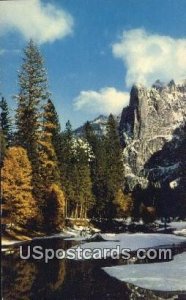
16,186
55,208
124,204
60,198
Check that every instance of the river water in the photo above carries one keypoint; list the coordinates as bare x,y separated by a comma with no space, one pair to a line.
65,279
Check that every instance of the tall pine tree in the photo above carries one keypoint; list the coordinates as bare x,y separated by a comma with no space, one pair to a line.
37,126
5,121
114,167
66,163
48,185
55,128
5,128
98,170
32,95
83,200
76,174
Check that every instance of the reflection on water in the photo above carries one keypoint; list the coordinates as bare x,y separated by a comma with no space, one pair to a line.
64,279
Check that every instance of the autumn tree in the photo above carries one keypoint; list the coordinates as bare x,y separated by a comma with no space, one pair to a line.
16,186
54,210
55,128
123,203
48,167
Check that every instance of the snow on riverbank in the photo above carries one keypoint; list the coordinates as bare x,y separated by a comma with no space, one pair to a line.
133,241
78,233
177,225
165,276
125,240
5,242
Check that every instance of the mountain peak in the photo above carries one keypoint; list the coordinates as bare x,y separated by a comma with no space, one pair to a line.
98,124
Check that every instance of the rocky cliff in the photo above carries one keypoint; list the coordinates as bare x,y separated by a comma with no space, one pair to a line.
152,129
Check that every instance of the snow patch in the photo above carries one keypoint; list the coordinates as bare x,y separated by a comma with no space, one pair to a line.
166,276
133,241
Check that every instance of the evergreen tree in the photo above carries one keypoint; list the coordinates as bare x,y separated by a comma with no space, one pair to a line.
48,171
55,128
67,162
5,129
98,170
74,162
114,167
83,185
47,152
37,127
16,186
2,147
32,96
5,121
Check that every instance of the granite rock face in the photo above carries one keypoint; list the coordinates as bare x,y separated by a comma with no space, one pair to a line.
152,132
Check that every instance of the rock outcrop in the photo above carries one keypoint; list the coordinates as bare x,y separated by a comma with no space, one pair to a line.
152,129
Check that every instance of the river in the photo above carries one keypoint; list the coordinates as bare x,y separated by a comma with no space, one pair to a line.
65,279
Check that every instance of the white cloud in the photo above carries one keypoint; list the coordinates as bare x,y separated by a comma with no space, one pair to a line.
149,57
35,19
107,100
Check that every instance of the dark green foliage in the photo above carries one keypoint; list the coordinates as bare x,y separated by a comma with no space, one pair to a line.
66,162
5,121
5,129
114,166
53,125
37,127
83,185
98,170
75,172
147,213
31,98
106,169
2,148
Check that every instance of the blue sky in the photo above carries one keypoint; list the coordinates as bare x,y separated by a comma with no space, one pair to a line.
94,50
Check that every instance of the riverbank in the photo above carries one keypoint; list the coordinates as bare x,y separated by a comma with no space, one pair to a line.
79,230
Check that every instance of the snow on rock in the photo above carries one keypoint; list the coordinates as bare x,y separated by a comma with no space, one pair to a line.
166,276
152,129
